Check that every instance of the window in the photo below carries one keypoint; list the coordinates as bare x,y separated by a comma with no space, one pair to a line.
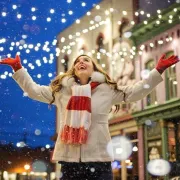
173,130
171,83
172,141
178,33
151,98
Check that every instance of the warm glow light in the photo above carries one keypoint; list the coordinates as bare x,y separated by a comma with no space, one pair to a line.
14,6
98,7
47,146
103,65
145,22
111,10
88,13
158,11
151,45
78,34
132,22
157,22
128,34
70,12
91,22
107,12
33,9
33,18
170,21
124,13
3,14
51,11
19,16
70,36
48,19
77,21
136,14
148,15
159,16
135,148
142,12
83,4
171,16
63,20
27,167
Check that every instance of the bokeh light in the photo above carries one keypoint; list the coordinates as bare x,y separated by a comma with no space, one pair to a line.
145,73
122,148
158,167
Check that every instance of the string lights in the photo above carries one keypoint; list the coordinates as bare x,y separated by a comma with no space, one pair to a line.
76,38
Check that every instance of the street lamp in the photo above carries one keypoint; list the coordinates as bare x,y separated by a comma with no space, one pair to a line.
27,167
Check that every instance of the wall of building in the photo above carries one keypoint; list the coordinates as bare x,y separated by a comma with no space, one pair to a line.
155,54
171,42
89,39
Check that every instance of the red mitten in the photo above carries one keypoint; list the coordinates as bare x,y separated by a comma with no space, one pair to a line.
165,63
14,63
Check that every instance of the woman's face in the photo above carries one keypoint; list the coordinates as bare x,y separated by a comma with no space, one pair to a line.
83,66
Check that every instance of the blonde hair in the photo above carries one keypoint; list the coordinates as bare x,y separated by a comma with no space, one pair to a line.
56,84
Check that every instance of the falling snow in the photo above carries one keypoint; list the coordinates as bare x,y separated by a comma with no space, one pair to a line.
30,30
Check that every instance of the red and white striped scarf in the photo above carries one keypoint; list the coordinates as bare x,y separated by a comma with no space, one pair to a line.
78,115
77,118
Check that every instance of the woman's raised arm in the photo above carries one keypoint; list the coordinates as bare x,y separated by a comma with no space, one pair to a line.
142,88
24,80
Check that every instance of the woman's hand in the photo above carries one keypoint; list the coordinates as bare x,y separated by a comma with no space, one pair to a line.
14,63
164,63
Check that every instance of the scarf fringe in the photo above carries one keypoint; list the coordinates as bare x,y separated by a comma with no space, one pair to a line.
70,135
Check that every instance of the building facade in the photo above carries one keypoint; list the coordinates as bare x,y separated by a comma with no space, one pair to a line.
128,51
159,119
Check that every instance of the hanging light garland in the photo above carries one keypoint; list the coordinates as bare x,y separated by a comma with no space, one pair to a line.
67,48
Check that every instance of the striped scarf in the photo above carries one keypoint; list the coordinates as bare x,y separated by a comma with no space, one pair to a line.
78,115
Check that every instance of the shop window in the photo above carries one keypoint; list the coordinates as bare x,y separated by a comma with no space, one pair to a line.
154,140
153,129
174,146
153,143
171,82
131,163
171,142
151,98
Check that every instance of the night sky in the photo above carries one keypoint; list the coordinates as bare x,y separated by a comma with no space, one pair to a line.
25,27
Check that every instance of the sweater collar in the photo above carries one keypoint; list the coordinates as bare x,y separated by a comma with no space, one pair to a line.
95,77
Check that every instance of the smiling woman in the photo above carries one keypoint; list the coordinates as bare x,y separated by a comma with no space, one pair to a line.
81,97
